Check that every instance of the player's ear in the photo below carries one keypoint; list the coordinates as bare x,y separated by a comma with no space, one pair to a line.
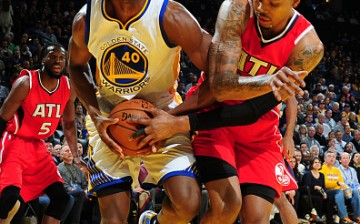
296,3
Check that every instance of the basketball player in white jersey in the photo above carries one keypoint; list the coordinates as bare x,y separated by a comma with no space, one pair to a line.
137,46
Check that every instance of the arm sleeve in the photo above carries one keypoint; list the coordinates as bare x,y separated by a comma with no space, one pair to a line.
240,114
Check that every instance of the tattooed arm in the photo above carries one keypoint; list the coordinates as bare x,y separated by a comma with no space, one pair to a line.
224,54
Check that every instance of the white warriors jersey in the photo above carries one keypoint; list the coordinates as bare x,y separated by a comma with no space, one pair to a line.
135,59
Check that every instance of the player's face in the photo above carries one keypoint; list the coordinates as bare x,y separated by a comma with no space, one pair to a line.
54,61
273,14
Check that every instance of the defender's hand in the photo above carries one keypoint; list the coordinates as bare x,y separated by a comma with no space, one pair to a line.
161,126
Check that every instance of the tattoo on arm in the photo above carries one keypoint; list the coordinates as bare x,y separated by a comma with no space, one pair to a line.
307,58
225,49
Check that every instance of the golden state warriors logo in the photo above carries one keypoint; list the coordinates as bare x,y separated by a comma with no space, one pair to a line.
123,65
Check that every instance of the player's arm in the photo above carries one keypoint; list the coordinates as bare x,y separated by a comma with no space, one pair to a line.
224,55
305,56
79,56
246,113
183,30
307,53
83,82
18,93
291,114
69,127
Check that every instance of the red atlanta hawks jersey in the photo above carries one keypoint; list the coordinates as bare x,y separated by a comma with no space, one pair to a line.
40,113
261,56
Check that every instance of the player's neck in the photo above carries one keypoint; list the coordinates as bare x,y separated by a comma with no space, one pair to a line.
124,10
50,83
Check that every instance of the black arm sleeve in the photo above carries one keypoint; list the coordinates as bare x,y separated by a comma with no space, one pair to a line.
240,114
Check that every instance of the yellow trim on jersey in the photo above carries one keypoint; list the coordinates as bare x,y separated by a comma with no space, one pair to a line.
123,26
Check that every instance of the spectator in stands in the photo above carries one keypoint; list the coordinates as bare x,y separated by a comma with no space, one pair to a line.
347,137
346,110
339,143
49,36
298,156
306,98
336,113
334,185
315,181
309,120
310,139
320,135
74,181
353,121
356,140
349,148
350,179
341,124
56,154
4,92
355,163
329,120
300,115
326,127
315,151
80,119
6,14
5,52
322,107
301,134
354,104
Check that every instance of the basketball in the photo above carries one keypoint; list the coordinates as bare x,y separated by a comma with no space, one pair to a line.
122,131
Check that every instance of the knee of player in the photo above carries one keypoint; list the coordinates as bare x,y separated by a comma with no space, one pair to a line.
228,207
188,206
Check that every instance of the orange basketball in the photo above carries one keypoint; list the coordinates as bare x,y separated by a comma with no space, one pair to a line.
121,131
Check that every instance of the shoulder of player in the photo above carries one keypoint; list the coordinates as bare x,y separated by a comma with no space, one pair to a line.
179,21
307,53
22,82
79,20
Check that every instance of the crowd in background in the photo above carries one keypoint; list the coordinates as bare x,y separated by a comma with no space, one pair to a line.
328,113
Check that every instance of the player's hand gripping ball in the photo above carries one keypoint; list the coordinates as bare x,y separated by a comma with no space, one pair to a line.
122,131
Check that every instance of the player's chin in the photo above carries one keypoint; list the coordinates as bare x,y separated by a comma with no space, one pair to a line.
56,75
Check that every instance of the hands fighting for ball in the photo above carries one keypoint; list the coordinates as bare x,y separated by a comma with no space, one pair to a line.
284,83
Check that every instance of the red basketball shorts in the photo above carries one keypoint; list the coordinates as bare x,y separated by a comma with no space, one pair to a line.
27,164
255,150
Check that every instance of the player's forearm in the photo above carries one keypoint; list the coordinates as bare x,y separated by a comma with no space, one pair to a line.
85,88
240,114
70,133
201,98
232,87
225,48
290,113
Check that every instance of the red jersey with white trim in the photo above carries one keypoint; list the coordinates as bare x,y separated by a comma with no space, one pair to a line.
260,56
42,109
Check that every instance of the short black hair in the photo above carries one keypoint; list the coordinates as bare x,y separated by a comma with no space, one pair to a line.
44,50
